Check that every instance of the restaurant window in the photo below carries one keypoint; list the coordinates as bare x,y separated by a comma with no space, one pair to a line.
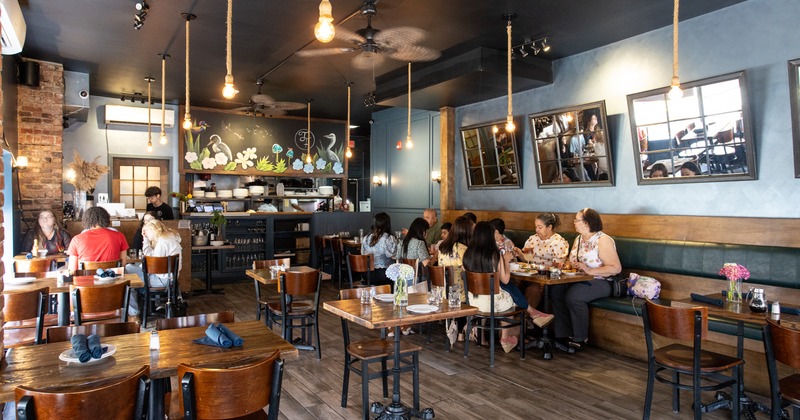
132,176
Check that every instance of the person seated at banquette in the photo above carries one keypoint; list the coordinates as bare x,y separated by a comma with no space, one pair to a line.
499,235
138,239
97,242
50,234
690,169
595,254
382,245
545,247
659,170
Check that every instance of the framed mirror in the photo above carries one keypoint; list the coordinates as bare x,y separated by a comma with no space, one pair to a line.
571,147
794,96
704,136
490,156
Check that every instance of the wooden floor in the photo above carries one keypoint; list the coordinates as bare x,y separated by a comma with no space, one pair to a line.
593,384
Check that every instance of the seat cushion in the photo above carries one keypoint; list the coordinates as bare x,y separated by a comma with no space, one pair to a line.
378,348
680,357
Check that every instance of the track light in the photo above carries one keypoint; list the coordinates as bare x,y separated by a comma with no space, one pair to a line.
141,13
142,6
523,52
530,46
545,46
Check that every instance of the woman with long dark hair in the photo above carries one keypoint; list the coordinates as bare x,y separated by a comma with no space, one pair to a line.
382,245
414,245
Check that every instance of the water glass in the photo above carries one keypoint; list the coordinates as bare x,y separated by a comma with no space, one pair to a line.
363,294
455,299
432,300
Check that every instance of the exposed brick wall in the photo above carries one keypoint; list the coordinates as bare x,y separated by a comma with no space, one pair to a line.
40,118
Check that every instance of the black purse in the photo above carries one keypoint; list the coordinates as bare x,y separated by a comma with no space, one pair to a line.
619,286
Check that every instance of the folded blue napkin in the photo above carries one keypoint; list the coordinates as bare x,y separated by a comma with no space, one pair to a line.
790,311
95,349
81,348
220,336
708,300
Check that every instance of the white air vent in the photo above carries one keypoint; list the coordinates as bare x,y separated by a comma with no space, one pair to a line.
13,27
130,115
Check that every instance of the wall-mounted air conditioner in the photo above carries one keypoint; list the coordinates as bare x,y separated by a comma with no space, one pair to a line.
131,115
13,27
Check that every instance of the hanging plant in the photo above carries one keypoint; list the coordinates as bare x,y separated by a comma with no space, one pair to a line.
86,173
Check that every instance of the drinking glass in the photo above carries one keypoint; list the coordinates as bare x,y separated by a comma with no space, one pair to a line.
432,298
455,298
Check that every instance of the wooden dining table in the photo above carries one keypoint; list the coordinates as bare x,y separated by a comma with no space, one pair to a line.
209,250
546,343
61,290
380,314
39,366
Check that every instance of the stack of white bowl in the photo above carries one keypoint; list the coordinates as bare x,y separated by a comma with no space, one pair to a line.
211,194
256,190
240,192
199,194
224,193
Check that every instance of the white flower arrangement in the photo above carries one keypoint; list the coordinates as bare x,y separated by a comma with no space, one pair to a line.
400,271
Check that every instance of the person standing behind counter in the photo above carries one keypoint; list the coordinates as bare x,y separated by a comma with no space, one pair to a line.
162,210
50,234
98,242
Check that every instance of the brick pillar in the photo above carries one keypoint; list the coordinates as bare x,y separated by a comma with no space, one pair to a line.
40,118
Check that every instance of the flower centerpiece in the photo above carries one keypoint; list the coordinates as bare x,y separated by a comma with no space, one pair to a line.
401,274
735,273
83,175
184,200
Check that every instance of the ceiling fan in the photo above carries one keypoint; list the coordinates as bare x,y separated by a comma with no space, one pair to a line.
261,104
399,43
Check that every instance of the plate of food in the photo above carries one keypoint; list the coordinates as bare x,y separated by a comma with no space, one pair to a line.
572,272
14,281
69,355
385,297
525,272
422,309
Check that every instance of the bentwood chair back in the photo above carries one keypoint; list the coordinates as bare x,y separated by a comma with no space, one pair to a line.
414,263
24,268
324,253
166,267
24,315
97,303
685,324
224,392
361,264
262,302
293,313
358,355
94,265
61,334
440,276
190,321
489,284
121,398
782,345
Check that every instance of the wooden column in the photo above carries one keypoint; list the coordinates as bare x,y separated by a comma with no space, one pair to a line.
447,195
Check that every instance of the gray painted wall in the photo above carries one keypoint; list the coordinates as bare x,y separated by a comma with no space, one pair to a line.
758,36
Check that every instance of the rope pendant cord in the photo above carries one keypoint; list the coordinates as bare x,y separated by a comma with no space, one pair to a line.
409,142
348,153
163,97
675,80
228,60
308,135
187,114
508,32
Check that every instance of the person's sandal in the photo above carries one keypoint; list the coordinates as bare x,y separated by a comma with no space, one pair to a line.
565,347
579,345
543,321
509,343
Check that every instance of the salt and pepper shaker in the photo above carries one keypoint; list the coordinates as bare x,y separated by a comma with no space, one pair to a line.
155,342
775,313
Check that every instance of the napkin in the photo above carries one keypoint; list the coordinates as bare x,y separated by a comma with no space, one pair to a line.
790,311
708,300
95,349
218,335
81,347
106,273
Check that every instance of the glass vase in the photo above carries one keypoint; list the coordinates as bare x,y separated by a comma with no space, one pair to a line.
400,293
734,290
79,197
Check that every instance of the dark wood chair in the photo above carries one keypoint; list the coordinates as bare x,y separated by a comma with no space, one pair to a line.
361,264
225,391
262,302
99,303
123,398
24,315
440,276
687,324
358,355
415,264
782,345
489,284
29,268
61,334
324,254
339,258
190,321
94,265
162,266
292,313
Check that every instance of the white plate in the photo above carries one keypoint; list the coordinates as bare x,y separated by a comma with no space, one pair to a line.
20,280
571,274
422,309
98,278
385,297
69,355
525,273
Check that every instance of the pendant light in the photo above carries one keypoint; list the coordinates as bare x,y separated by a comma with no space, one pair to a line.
675,91
349,153
409,142
308,134
163,139
510,127
229,91
325,31
187,116
149,81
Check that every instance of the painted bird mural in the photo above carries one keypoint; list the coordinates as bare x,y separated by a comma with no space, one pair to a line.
217,146
332,157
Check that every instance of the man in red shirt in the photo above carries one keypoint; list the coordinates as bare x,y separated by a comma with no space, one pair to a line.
97,242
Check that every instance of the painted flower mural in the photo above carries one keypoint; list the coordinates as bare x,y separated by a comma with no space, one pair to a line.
297,164
190,157
337,168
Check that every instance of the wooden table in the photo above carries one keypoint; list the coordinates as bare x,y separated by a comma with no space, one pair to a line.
209,249
385,315
62,290
58,257
546,343
40,366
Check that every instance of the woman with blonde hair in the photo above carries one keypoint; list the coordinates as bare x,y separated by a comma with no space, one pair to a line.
158,241
50,234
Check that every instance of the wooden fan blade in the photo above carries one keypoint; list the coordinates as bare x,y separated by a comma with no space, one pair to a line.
367,60
260,98
285,106
398,37
349,36
415,53
322,52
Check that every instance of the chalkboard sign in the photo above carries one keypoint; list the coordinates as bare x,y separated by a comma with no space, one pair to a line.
235,144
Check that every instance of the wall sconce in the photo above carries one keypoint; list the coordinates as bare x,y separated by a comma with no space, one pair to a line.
20,162
70,175
377,181
436,176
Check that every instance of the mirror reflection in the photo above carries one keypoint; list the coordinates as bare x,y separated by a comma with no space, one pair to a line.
701,136
490,156
571,146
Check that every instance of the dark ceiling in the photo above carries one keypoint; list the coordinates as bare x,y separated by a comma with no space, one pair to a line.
98,37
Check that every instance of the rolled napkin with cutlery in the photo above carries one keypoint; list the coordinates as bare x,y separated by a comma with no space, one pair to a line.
789,310
81,348
708,300
214,337
235,339
95,349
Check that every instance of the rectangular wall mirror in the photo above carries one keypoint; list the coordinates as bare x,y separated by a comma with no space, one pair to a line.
571,147
794,96
703,136
490,156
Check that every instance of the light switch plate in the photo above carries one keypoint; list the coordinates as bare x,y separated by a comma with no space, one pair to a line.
102,198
